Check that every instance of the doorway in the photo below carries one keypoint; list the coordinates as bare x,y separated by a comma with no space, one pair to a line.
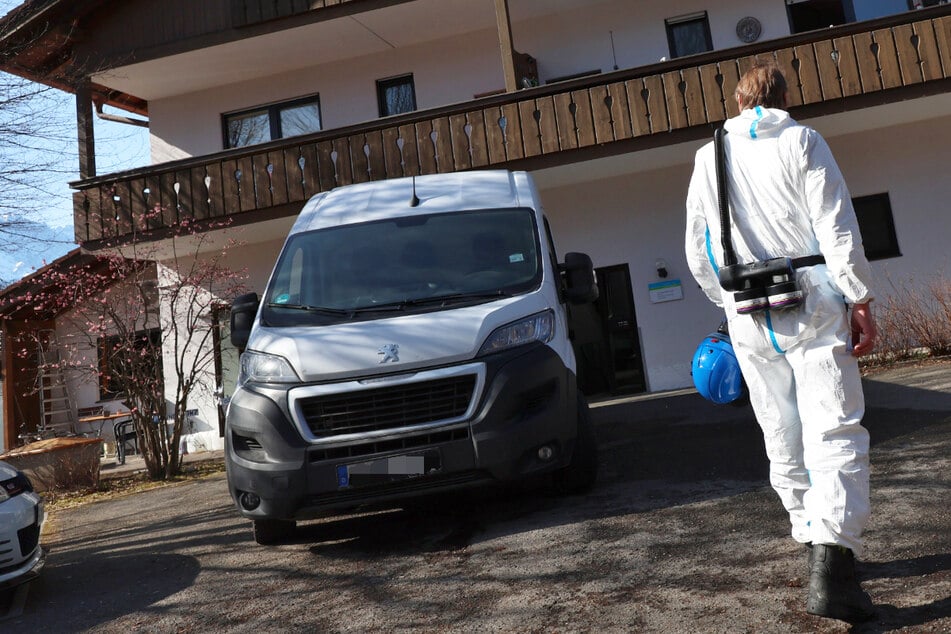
605,337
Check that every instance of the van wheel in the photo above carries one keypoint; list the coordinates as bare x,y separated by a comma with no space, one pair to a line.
582,472
269,532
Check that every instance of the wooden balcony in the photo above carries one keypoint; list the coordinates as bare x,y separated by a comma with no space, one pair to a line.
836,69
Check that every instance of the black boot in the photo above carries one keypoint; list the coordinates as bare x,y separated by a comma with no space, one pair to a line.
834,592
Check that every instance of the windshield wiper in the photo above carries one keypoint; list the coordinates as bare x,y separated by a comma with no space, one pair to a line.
322,310
435,299
393,306
458,297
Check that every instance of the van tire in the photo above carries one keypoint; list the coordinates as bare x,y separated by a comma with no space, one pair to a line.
582,472
270,532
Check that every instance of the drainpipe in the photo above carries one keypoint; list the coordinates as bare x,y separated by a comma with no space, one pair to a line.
105,116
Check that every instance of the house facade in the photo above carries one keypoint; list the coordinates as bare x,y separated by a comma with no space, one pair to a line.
253,106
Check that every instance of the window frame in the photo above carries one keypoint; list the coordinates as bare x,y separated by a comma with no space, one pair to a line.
388,82
274,111
699,16
885,225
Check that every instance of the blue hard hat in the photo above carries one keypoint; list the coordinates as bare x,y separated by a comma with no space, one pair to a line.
716,373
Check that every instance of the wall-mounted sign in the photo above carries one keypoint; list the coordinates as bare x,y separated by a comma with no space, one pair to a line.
666,291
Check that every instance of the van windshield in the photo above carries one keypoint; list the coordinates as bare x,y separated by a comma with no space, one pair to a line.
411,264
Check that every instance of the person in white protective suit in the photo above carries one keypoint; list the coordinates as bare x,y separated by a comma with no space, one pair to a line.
787,197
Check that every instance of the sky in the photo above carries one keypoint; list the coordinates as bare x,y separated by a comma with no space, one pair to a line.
118,147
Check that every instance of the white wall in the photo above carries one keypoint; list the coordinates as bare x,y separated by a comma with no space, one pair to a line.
453,70
910,163
639,33
444,72
201,432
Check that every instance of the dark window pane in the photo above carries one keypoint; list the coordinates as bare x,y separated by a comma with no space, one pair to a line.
248,128
300,119
396,96
874,214
688,36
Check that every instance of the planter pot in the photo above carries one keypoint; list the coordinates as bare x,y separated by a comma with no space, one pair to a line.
58,463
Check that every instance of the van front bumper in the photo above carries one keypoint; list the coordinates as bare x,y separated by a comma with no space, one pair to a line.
523,422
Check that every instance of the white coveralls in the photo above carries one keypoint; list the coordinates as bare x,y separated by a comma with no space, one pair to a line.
788,198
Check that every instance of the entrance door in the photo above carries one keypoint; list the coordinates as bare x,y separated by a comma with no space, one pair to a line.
227,363
605,337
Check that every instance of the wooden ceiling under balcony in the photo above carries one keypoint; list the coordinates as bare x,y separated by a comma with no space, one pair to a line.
836,69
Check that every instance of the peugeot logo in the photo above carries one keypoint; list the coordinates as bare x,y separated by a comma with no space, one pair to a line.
390,352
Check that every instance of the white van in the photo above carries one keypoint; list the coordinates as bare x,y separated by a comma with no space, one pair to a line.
413,338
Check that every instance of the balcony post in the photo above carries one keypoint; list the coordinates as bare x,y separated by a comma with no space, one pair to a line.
505,44
84,127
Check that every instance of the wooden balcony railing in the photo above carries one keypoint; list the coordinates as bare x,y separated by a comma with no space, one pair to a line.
884,58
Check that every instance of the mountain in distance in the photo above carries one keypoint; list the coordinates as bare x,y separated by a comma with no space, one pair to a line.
20,256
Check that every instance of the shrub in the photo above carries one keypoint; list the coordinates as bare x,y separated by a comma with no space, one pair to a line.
913,321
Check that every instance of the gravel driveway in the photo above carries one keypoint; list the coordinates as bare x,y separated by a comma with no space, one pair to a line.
682,534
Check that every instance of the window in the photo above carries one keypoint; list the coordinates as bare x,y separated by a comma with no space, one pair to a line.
809,15
277,121
396,95
922,4
877,225
116,358
689,34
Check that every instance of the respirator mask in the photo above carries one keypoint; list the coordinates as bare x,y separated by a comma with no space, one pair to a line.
760,285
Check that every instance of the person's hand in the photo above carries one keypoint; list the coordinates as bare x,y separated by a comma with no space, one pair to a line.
864,331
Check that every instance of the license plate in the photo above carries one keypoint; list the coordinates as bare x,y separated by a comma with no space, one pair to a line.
390,469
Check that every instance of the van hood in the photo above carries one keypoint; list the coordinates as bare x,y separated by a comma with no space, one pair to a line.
396,344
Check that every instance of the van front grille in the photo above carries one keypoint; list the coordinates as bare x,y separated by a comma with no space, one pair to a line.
388,407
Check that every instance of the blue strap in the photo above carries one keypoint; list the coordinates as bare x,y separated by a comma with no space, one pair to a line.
759,116
710,256
772,335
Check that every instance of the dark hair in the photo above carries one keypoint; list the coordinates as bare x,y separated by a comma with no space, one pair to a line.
762,85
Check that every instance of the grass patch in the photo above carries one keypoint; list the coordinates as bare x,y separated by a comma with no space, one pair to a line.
120,486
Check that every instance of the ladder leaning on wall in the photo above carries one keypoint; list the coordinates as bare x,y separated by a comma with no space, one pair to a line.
57,416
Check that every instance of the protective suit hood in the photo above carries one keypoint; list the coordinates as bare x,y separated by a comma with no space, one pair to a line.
759,123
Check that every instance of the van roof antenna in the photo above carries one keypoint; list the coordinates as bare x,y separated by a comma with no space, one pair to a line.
414,201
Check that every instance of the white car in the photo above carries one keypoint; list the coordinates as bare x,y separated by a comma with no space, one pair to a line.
21,519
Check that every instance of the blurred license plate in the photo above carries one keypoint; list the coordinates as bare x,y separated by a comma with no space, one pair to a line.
390,469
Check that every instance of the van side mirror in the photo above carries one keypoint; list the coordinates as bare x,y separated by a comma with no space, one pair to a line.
580,284
243,310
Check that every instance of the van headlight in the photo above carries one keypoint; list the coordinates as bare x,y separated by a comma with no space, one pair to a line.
259,367
537,327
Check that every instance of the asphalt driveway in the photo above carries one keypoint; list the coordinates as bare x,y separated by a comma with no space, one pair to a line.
682,534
